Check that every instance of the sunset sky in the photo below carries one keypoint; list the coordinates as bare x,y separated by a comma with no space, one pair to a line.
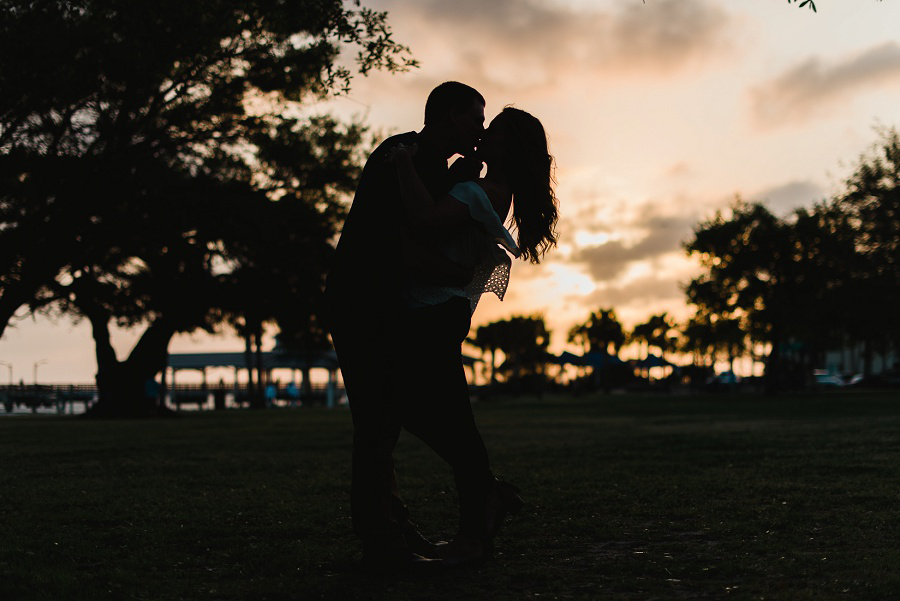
658,113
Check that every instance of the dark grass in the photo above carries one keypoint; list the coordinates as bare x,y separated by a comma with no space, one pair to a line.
628,498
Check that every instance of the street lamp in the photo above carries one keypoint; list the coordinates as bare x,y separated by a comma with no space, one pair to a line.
9,366
36,363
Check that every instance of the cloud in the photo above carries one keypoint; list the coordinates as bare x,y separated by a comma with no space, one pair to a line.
812,87
638,294
662,235
668,33
524,44
783,199
679,170
609,260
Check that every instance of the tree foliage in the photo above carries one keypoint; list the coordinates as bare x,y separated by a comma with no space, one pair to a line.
816,280
867,216
523,340
810,3
488,338
708,337
156,170
657,331
600,332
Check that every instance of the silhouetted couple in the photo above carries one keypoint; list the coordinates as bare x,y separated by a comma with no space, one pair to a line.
421,243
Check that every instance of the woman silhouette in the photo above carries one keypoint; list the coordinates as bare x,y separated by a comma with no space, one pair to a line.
466,227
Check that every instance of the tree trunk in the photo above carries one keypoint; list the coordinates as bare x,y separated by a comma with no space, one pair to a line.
773,370
128,388
248,360
309,356
7,310
262,375
12,297
306,386
258,398
493,380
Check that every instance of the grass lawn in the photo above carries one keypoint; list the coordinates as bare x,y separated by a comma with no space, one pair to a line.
629,497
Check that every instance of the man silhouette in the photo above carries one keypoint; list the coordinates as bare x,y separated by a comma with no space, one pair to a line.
368,316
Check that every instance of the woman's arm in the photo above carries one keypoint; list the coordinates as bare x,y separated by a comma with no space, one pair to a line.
501,200
436,213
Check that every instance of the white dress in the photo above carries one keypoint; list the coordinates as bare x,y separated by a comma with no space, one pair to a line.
482,243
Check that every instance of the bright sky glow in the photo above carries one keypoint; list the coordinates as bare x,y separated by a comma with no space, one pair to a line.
659,113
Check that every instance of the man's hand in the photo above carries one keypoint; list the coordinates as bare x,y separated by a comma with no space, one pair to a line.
466,169
402,151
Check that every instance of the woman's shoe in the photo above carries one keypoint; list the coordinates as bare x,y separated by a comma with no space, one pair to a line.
503,499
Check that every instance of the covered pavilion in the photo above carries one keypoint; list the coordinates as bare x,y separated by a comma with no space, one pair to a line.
238,361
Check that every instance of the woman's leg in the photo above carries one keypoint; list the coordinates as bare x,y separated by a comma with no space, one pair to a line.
439,411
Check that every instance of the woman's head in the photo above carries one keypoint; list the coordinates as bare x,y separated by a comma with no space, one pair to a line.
516,143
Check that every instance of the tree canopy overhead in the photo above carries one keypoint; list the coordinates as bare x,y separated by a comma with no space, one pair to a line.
154,168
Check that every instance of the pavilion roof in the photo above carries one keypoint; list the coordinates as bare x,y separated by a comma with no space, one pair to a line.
270,360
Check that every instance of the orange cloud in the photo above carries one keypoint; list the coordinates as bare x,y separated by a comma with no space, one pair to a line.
660,234
638,299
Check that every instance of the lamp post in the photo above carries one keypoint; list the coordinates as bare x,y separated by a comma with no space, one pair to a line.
36,363
10,367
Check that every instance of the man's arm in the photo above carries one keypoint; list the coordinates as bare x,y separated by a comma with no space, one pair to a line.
420,205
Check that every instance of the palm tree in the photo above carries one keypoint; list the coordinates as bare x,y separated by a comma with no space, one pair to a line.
578,334
662,337
641,335
605,331
601,331
658,332
487,339
523,341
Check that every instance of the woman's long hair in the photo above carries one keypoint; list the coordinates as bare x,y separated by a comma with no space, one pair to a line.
528,167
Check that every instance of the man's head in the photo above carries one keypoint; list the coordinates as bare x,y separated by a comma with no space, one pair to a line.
455,113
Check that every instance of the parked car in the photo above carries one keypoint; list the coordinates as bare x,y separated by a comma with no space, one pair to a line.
826,379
